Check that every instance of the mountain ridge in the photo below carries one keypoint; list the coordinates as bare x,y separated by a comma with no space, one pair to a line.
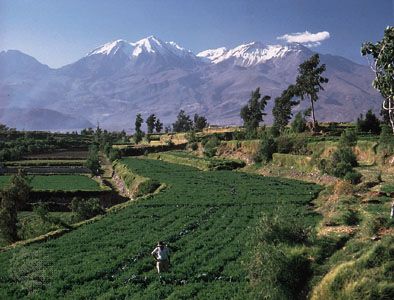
115,81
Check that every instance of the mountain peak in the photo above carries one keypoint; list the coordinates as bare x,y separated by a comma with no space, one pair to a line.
112,48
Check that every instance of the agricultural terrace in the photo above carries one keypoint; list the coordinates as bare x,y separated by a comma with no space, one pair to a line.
208,219
57,183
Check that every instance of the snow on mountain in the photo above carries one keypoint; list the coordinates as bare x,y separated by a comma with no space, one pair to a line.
150,45
112,48
213,55
250,54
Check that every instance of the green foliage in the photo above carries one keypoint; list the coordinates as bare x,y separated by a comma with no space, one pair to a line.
210,147
280,267
200,122
309,81
139,134
203,163
343,159
282,108
93,162
158,125
30,270
268,147
353,176
12,198
86,208
57,183
348,138
183,122
150,123
252,113
386,142
383,52
299,123
114,154
370,124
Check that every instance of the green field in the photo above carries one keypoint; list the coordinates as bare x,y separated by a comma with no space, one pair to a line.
57,183
208,219
46,162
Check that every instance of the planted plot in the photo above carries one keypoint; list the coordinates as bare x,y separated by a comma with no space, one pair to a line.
207,218
58,183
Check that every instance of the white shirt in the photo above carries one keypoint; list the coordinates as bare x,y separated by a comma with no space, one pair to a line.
161,254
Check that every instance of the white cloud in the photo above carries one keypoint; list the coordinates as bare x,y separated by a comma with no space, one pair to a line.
306,38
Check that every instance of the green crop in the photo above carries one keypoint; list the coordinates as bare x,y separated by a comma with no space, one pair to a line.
207,218
57,183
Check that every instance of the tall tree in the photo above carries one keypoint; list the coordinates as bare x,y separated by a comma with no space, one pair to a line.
309,82
138,132
158,126
383,54
200,122
183,122
150,123
253,112
282,108
93,161
12,199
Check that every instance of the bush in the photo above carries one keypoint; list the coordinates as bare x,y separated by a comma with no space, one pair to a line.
386,142
350,217
193,146
353,177
348,138
210,146
114,154
284,144
278,271
370,124
299,123
267,148
86,208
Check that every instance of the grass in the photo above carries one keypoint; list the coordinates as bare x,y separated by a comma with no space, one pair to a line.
31,225
57,183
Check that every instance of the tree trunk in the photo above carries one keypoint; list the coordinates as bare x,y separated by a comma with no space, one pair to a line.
313,116
390,110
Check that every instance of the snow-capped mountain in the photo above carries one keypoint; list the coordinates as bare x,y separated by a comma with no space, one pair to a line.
251,54
147,55
119,79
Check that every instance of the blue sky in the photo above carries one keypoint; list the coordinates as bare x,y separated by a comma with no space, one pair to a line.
58,32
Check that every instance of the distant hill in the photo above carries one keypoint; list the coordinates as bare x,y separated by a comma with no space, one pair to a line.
114,82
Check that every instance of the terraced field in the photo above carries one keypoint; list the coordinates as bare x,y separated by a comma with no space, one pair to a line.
58,183
208,219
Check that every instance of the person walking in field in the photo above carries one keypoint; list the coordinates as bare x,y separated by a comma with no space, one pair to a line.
162,256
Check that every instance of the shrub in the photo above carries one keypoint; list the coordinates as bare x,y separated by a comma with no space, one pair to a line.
193,146
267,148
370,124
353,177
284,144
86,208
350,217
210,146
114,154
299,123
348,138
386,142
